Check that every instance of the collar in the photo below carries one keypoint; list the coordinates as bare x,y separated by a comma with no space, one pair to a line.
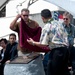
66,25
49,20
12,44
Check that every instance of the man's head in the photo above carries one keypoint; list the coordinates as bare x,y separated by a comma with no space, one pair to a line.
25,14
12,38
66,18
3,43
46,14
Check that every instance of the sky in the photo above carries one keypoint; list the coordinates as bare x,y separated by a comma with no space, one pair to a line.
67,5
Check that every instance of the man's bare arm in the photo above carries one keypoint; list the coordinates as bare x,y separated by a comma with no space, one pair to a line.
32,42
13,23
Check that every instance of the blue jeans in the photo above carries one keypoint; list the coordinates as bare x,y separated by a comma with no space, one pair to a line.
45,62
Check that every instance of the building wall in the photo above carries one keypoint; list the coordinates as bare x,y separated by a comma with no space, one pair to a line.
10,15
37,18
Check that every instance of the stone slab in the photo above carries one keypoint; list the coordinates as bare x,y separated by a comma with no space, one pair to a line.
35,67
22,60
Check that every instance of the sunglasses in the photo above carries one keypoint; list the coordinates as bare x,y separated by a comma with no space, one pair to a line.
65,18
26,15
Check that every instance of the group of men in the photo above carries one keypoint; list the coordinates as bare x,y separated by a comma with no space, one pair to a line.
56,38
60,39
8,52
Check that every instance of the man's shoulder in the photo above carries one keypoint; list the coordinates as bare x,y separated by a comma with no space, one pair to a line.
56,23
8,44
34,22
72,25
16,43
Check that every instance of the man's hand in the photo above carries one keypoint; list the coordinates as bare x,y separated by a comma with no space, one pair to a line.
18,16
30,41
8,61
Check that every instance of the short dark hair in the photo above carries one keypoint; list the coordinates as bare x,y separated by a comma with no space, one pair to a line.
46,13
24,9
12,34
5,40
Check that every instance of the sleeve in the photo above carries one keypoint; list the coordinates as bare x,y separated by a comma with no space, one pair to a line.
44,39
14,52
